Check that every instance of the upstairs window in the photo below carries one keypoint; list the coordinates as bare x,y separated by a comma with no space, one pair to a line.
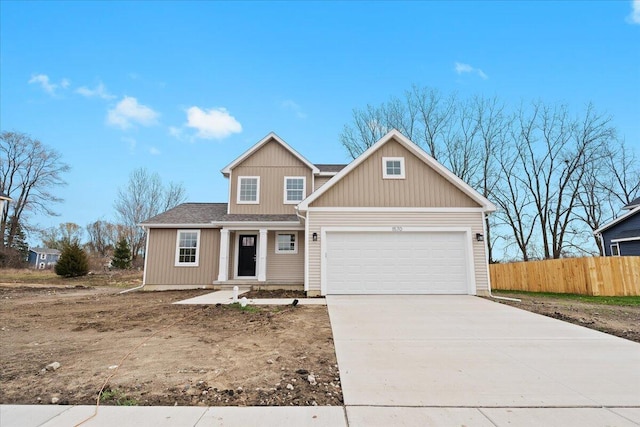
187,246
287,243
248,190
393,167
615,250
294,189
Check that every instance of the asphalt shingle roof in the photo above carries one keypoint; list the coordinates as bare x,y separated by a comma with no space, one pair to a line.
633,204
206,213
191,213
330,167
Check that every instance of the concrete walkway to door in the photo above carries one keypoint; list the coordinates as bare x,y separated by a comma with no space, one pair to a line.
451,360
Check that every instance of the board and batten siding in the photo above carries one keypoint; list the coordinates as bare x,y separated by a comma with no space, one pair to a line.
272,162
319,181
161,269
287,268
422,186
474,220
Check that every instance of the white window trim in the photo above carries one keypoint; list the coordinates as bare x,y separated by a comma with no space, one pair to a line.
384,168
177,258
43,256
304,190
617,246
295,243
248,202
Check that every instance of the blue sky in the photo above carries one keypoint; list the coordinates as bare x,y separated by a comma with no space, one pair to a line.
183,88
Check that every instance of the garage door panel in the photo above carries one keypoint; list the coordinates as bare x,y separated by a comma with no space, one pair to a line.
383,262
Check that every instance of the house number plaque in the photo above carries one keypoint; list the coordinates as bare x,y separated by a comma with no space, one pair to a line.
396,228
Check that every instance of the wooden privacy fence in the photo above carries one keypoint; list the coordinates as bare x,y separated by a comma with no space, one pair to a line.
605,276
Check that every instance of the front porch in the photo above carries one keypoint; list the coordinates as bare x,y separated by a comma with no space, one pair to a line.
267,257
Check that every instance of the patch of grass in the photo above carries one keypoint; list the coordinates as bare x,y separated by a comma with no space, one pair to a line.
248,308
118,397
605,300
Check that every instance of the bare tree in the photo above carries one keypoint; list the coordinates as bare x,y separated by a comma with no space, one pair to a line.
142,198
64,234
102,237
29,172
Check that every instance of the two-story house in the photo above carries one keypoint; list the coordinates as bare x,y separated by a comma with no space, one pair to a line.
621,236
43,258
393,220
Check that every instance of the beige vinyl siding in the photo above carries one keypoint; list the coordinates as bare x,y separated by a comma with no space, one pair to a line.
232,270
320,180
289,268
161,269
271,163
318,220
422,186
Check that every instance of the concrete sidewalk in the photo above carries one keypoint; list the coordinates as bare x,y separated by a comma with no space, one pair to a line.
171,416
226,297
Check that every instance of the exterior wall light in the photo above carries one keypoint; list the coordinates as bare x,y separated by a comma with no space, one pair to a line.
314,236
479,237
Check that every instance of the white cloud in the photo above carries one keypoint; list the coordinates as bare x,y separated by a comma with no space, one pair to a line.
154,151
131,142
100,91
634,16
289,104
47,85
215,123
462,68
128,112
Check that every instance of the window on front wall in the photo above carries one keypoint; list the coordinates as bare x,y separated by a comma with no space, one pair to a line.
248,190
187,246
615,250
286,243
294,189
43,256
393,167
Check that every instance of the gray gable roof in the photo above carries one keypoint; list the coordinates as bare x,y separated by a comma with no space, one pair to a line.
329,167
207,213
45,251
190,213
633,204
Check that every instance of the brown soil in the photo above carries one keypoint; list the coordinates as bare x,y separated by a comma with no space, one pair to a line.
622,321
187,354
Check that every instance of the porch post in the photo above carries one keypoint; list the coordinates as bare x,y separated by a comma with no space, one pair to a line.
223,263
262,256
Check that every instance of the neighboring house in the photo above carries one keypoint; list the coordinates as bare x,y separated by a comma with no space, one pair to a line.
393,221
42,258
622,235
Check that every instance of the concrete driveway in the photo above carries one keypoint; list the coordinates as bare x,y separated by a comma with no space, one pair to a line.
407,360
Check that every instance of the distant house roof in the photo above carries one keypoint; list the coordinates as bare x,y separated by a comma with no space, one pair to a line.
46,251
631,213
210,214
330,167
634,203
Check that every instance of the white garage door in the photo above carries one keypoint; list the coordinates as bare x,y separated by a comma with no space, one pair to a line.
396,263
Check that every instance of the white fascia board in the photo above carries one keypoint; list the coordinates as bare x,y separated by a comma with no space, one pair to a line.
617,220
625,239
181,225
418,152
271,225
327,173
395,209
227,169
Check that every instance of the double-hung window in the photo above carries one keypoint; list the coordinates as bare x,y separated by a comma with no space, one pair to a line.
393,167
248,190
187,248
294,189
615,250
287,243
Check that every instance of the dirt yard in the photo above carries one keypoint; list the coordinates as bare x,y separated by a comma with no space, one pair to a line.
619,320
187,355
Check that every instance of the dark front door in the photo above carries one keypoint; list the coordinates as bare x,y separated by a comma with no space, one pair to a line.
247,255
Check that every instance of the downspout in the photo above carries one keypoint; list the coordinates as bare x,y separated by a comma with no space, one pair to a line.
144,271
486,254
